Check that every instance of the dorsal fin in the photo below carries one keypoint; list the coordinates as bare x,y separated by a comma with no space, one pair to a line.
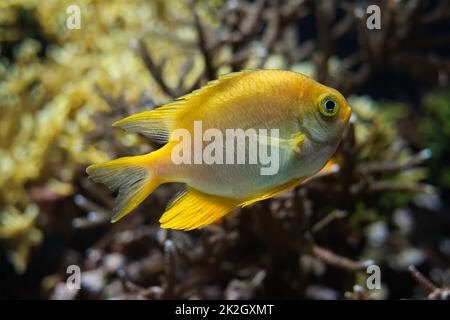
215,86
157,124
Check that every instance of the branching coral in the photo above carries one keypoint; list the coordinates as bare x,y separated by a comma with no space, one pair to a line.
18,231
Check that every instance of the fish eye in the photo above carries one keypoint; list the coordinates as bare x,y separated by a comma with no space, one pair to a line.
329,107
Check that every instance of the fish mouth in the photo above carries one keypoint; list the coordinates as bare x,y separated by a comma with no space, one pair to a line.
347,114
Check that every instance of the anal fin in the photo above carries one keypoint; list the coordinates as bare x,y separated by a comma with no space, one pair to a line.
194,209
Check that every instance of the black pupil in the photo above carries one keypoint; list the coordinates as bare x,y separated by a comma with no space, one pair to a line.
330,105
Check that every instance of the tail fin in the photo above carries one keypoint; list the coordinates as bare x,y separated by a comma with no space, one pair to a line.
132,176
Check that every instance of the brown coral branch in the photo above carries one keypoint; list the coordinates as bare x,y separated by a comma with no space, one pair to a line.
338,261
154,69
433,291
169,267
391,166
325,18
393,186
423,281
329,218
205,47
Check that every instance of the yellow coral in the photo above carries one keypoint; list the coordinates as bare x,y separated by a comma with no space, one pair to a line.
18,231
48,104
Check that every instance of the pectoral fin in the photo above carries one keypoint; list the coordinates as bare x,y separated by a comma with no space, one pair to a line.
295,143
298,141
194,209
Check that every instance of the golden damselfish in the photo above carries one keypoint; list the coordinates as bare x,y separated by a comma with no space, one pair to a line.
308,117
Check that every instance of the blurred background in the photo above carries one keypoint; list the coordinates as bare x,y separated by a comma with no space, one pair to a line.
62,88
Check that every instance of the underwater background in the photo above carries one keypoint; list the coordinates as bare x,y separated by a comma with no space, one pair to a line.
61,89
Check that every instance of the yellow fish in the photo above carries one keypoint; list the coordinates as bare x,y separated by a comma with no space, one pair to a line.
307,120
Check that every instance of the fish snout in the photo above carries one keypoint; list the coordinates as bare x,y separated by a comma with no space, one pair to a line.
347,114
